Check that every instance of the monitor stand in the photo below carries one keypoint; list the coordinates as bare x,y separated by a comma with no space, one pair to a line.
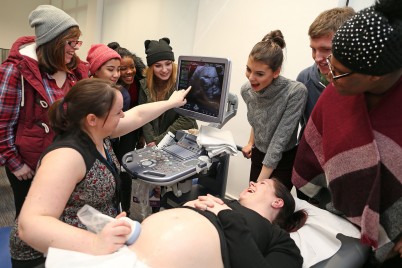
154,166
230,111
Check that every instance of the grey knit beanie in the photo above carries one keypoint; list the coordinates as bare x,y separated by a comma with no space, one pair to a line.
49,22
158,50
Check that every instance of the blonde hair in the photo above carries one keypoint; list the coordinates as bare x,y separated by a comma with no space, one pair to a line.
164,88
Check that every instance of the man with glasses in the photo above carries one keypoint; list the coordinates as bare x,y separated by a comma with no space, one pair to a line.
349,158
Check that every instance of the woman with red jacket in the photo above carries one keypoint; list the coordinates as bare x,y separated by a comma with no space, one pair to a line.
39,70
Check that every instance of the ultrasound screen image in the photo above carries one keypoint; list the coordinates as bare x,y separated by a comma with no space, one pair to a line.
206,80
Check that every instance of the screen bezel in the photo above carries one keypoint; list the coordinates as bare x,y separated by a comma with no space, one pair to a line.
225,88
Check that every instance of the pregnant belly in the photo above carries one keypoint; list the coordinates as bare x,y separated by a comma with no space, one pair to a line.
176,238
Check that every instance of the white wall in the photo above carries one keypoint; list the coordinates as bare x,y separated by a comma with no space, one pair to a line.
131,22
14,20
222,28
360,4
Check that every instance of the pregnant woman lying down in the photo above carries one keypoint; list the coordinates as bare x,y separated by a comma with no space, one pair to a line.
209,232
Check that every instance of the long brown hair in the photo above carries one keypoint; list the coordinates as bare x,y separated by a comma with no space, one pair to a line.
154,87
51,55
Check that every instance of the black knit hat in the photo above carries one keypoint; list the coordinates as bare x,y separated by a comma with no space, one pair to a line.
158,50
371,41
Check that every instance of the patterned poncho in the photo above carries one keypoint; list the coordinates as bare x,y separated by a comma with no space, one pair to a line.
350,160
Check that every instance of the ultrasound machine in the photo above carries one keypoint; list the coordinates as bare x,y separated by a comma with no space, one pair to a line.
178,159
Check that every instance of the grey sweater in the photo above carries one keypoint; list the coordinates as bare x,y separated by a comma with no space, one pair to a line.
274,114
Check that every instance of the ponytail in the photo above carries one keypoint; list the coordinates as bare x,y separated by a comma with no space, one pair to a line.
295,221
287,218
88,96
58,116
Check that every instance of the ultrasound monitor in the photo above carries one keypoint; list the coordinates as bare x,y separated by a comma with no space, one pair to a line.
209,80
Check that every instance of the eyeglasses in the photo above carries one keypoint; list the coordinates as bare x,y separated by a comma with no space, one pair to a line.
335,77
74,44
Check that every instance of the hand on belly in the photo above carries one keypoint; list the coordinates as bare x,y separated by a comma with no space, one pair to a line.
176,238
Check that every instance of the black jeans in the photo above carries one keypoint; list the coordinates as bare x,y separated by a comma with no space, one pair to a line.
20,190
283,171
126,185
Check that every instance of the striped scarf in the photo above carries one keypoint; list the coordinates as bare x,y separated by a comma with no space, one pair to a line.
350,160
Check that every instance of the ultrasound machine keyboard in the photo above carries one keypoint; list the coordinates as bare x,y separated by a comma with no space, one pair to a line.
180,151
168,165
